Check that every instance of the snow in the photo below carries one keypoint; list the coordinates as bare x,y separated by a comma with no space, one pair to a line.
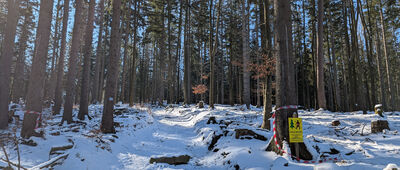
149,131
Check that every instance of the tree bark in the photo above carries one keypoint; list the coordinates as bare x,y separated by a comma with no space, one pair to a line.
122,96
60,66
18,86
268,80
246,53
212,59
132,94
187,72
84,101
350,63
7,52
337,91
37,78
380,74
72,65
320,57
38,72
284,77
99,55
112,75
171,64
388,73
50,91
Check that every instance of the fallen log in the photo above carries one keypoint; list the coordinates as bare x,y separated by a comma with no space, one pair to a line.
60,148
183,159
50,162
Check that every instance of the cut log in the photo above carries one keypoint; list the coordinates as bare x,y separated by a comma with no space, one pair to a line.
60,148
183,159
246,132
378,126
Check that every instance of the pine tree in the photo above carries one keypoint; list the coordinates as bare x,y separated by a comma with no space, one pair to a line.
246,53
60,64
84,101
320,57
7,54
99,55
72,63
107,123
34,99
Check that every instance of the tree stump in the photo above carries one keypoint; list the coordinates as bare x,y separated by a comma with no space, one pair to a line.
335,123
212,120
246,132
29,125
378,126
200,104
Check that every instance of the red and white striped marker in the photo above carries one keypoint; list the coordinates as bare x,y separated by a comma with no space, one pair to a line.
283,151
38,119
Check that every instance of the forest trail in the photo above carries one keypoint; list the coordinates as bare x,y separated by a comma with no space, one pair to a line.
152,132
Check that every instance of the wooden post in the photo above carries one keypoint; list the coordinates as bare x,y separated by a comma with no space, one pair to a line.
296,145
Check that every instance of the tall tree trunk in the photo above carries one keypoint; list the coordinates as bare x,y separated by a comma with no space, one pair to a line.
256,30
372,70
178,53
380,74
7,52
330,84
268,80
187,72
337,91
132,94
99,55
60,65
246,54
171,64
212,59
37,78
38,72
285,85
354,77
126,31
18,86
84,101
313,53
320,57
56,40
112,75
306,88
72,65
385,53
350,63
161,53
367,39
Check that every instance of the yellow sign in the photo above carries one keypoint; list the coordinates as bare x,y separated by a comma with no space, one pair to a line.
295,130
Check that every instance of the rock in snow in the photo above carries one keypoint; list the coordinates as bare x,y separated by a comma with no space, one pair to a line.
391,167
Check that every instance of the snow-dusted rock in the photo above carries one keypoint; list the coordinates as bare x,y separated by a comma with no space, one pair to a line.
391,167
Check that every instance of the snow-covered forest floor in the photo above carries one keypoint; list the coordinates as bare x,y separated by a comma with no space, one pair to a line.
145,132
